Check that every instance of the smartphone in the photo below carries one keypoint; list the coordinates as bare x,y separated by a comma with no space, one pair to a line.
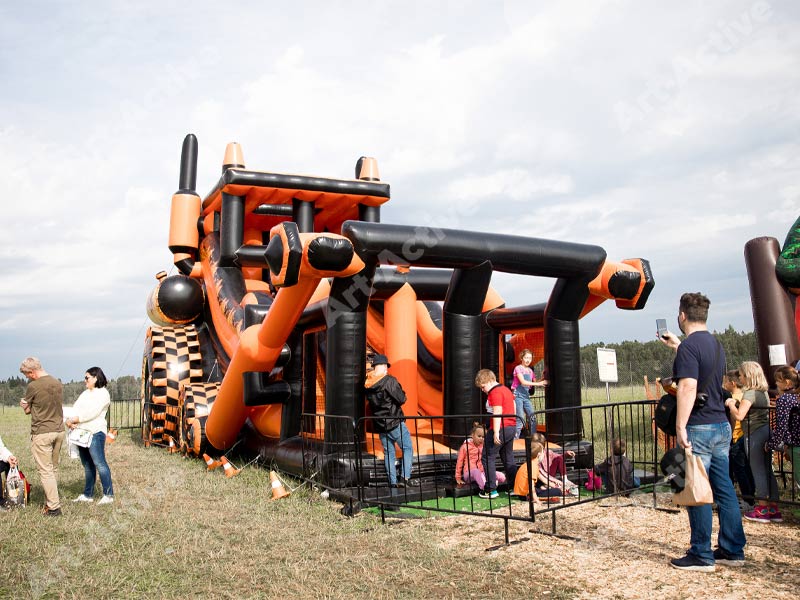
661,327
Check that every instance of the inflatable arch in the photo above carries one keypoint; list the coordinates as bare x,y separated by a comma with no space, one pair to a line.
287,282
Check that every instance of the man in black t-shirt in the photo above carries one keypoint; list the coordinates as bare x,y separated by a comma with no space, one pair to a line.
703,427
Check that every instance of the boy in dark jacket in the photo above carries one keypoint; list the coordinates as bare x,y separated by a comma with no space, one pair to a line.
386,396
617,471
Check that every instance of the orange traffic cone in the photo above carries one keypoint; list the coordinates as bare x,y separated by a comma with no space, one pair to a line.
230,470
111,436
278,491
211,464
172,447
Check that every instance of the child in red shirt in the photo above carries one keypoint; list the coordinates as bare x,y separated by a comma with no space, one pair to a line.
503,425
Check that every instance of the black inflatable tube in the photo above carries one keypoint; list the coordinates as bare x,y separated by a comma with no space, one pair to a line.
371,214
453,248
467,291
274,210
310,372
490,349
314,316
303,215
461,397
291,415
231,229
428,284
251,255
187,181
563,371
516,319
299,182
345,359
462,346
260,391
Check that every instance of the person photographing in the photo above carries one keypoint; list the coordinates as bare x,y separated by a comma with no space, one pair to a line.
702,426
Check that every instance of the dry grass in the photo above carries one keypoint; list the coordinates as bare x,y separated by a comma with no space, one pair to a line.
624,548
179,531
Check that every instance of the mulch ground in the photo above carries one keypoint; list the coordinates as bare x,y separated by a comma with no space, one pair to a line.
623,549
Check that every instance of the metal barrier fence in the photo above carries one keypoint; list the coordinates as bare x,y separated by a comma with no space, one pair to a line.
125,413
351,466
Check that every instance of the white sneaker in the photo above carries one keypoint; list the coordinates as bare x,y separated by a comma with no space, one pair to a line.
83,498
105,500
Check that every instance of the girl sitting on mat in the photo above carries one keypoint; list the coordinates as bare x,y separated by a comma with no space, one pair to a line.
469,467
541,483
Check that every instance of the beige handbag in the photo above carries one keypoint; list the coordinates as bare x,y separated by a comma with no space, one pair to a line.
697,490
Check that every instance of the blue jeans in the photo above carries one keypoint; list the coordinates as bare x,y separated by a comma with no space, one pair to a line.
761,465
712,444
93,459
524,409
398,435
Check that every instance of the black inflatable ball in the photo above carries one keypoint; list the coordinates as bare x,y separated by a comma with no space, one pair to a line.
175,300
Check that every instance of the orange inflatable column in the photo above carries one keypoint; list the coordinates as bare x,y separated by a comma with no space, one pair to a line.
401,343
258,350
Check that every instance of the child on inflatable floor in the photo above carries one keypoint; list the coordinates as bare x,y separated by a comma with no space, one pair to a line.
523,382
469,468
553,470
540,482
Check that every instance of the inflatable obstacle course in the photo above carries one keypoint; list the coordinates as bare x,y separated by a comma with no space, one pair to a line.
286,283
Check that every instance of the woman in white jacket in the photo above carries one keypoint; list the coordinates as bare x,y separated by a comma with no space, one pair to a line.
90,413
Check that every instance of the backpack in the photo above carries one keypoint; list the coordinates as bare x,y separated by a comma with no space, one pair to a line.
666,414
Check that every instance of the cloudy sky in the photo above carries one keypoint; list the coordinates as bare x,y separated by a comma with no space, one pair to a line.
667,131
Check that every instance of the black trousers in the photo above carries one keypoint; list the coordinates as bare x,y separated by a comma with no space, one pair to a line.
506,452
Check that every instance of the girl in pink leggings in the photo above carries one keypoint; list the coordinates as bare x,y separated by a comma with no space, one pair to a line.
468,465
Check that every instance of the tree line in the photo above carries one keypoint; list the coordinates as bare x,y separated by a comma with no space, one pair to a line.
636,359
126,387
653,359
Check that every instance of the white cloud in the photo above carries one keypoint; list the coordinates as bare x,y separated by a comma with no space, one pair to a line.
511,127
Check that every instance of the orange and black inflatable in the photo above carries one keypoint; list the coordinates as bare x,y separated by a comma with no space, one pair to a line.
285,282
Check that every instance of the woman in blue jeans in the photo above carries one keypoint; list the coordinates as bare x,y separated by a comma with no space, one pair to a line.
90,413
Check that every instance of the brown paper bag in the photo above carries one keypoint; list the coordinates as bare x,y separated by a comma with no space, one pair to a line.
697,490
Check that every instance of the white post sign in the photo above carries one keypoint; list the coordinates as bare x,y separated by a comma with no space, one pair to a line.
607,364
777,355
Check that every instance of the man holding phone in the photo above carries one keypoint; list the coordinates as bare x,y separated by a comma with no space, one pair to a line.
707,432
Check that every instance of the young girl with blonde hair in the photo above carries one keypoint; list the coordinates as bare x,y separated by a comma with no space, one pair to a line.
755,424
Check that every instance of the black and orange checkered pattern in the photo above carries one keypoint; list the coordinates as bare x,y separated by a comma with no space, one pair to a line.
197,401
175,361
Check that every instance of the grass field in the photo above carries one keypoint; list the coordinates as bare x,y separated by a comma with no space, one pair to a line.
177,530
